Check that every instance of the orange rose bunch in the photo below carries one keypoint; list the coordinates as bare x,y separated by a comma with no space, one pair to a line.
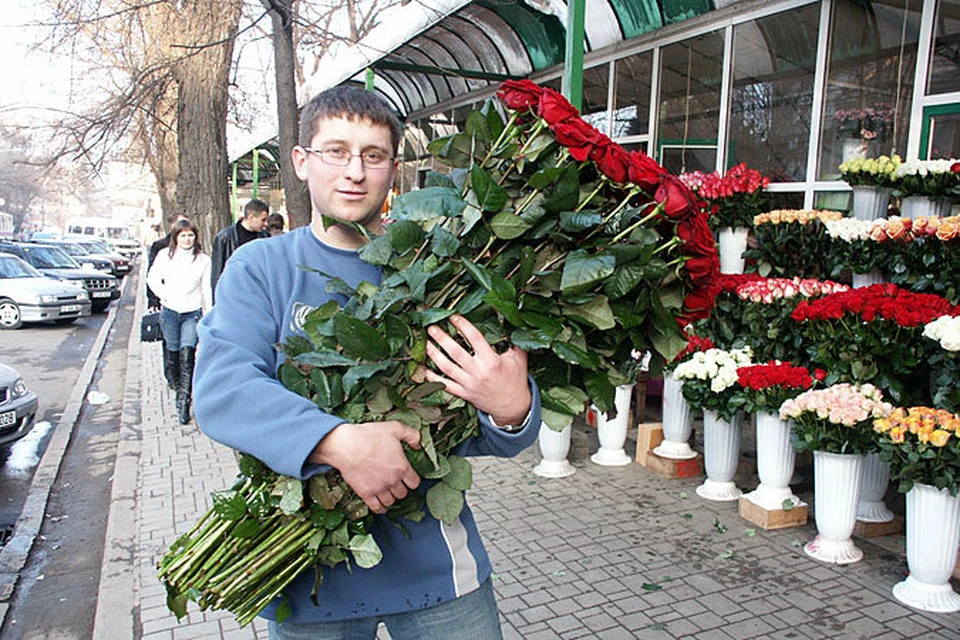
922,445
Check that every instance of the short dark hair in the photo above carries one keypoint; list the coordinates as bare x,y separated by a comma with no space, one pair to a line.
275,221
352,103
181,225
254,208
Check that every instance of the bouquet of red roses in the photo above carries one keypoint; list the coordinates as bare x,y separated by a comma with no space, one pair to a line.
765,387
874,334
735,197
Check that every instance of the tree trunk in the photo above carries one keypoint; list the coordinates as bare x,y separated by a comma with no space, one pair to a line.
296,197
203,190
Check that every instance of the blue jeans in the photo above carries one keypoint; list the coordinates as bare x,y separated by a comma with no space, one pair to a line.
470,617
179,329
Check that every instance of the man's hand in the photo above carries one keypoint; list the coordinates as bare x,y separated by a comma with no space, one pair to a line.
370,458
493,383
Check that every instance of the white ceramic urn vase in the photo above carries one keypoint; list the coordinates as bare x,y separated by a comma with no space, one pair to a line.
776,458
731,243
677,424
873,487
554,447
836,486
721,455
612,432
933,533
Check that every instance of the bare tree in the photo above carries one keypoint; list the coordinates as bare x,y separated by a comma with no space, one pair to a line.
21,180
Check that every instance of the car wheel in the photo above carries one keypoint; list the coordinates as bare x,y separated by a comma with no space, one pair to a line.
10,317
100,306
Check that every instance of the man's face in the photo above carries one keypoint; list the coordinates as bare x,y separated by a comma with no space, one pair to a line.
352,193
256,222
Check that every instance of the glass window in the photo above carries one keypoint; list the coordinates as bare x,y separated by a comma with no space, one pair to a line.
774,62
944,136
594,109
631,107
873,52
945,61
690,79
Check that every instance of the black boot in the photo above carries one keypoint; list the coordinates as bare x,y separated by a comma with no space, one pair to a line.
171,367
185,390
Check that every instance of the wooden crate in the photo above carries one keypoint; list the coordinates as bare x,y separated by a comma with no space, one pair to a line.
773,519
649,435
876,529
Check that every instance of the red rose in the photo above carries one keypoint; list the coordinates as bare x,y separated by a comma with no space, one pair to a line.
699,302
612,161
955,167
579,137
696,236
677,199
644,171
554,108
703,267
520,94
819,375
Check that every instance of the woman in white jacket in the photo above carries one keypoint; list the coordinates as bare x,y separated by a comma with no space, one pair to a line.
180,276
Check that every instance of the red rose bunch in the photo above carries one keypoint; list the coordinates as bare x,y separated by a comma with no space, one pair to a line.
734,198
677,202
874,334
767,386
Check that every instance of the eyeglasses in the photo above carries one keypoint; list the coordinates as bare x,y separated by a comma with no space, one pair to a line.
340,157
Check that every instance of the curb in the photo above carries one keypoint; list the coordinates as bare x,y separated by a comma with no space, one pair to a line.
15,553
117,601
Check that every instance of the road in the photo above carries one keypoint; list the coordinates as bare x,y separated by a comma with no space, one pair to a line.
55,595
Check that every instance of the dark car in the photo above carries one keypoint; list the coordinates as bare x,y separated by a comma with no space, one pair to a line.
83,256
83,251
18,406
54,263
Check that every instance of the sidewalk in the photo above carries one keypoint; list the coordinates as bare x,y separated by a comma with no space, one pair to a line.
610,552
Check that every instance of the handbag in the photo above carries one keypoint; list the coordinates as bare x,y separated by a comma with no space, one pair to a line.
150,327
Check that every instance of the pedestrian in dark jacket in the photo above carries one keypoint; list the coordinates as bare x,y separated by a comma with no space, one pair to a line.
251,226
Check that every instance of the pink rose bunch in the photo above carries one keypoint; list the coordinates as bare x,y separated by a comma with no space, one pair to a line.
837,419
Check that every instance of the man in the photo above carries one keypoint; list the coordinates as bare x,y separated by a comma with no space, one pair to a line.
251,226
434,579
171,364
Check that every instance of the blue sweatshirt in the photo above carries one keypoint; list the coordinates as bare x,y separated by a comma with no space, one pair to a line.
263,296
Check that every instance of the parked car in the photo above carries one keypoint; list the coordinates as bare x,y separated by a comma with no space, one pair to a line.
83,256
18,406
54,263
26,295
116,233
122,263
89,252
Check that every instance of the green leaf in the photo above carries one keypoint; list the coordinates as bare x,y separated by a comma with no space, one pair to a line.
575,355
229,505
566,191
445,503
324,359
291,495
478,127
507,225
556,420
356,375
443,243
455,149
405,235
478,273
600,389
359,339
649,586
461,473
437,179
569,400
596,313
427,204
246,529
283,611
176,602
531,339
293,379
366,553
490,196
575,221
378,251
582,270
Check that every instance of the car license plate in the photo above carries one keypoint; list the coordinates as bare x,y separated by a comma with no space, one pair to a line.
8,418
101,294
67,308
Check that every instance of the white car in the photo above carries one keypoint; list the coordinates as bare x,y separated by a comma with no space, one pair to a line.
18,406
26,295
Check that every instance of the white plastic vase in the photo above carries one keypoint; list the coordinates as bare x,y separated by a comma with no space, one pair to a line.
873,487
860,280
721,455
870,203
916,206
836,486
933,533
612,433
554,447
731,244
776,458
677,425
